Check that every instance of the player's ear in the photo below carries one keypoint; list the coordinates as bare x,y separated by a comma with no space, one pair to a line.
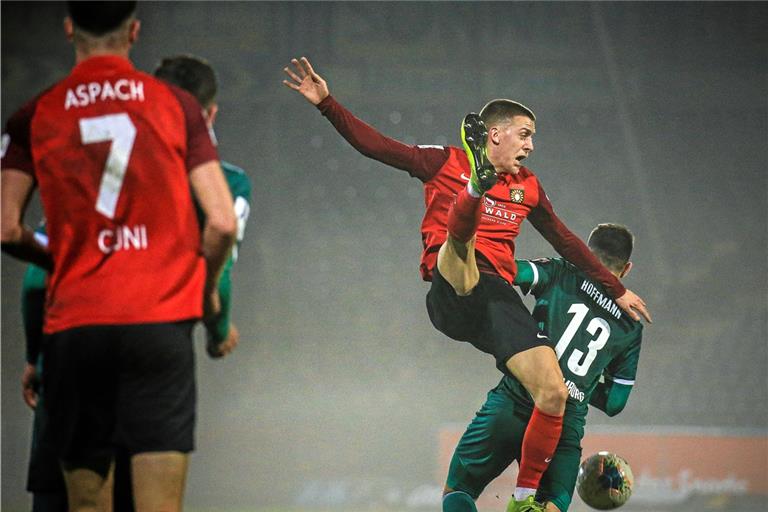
494,134
133,31
211,114
69,28
627,268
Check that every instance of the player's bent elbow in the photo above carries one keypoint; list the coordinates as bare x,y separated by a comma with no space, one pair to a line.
224,227
11,233
613,410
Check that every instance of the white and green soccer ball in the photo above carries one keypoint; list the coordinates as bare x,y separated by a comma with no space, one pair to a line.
605,481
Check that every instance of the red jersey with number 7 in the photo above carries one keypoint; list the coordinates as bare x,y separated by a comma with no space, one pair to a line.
110,149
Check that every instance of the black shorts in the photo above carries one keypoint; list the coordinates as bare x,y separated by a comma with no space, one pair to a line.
127,386
492,318
44,474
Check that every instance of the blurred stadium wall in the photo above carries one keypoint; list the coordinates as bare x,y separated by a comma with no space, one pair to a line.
653,115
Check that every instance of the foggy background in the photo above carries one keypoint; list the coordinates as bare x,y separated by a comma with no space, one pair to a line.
654,115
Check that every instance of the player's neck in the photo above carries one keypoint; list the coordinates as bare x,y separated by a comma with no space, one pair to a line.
82,54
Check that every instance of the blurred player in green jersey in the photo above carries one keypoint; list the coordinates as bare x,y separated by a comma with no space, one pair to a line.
44,478
598,347
196,76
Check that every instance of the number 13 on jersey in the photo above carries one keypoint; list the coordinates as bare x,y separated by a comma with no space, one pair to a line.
578,362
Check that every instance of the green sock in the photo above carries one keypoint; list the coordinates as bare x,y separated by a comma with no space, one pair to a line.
458,501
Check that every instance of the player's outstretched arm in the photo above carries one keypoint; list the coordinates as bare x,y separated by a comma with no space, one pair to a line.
305,81
570,247
419,161
632,305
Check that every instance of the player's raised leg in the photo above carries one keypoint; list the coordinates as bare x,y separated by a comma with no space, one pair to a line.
456,259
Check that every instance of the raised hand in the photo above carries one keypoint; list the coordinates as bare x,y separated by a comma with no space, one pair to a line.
304,80
630,302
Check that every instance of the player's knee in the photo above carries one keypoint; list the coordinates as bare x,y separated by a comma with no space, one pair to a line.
551,398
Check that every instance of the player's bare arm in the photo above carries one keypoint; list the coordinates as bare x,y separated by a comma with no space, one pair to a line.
304,80
220,230
18,240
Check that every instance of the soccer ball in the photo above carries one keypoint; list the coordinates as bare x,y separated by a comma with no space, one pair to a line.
605,481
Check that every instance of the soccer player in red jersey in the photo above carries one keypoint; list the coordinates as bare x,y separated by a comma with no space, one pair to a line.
114,152
476,200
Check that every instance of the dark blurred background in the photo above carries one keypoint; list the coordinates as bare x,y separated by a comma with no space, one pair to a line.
654,115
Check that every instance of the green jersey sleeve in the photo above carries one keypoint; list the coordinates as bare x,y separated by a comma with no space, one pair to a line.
240,187
33,310
612,392
623,369
535,276
609,397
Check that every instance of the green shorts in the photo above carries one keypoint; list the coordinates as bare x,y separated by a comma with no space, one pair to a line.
493,440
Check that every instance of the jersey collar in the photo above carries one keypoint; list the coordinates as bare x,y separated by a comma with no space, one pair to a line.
101,63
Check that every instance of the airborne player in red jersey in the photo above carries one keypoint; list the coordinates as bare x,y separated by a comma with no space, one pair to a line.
476,200
114,152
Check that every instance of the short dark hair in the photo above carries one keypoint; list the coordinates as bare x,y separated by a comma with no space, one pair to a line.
99,18
192,74
501,110
612,244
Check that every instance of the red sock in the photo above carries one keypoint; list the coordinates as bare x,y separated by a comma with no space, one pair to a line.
464,216
539,445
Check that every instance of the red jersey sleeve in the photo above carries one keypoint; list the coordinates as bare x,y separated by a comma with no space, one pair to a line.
570,246
421,162
16,147
200,148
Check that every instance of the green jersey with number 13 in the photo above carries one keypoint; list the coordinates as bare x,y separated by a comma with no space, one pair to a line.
593,338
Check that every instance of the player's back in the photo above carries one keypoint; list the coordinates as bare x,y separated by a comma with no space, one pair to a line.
111,151
591,334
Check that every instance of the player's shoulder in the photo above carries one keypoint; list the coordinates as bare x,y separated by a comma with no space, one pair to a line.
553,263
27,110
238,180
526,172
185,98
456,153
454,164
455,157
230,168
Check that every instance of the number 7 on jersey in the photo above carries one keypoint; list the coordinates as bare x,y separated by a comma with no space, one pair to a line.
119,129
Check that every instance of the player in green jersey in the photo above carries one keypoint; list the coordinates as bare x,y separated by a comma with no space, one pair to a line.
196,76
598,347
44,478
